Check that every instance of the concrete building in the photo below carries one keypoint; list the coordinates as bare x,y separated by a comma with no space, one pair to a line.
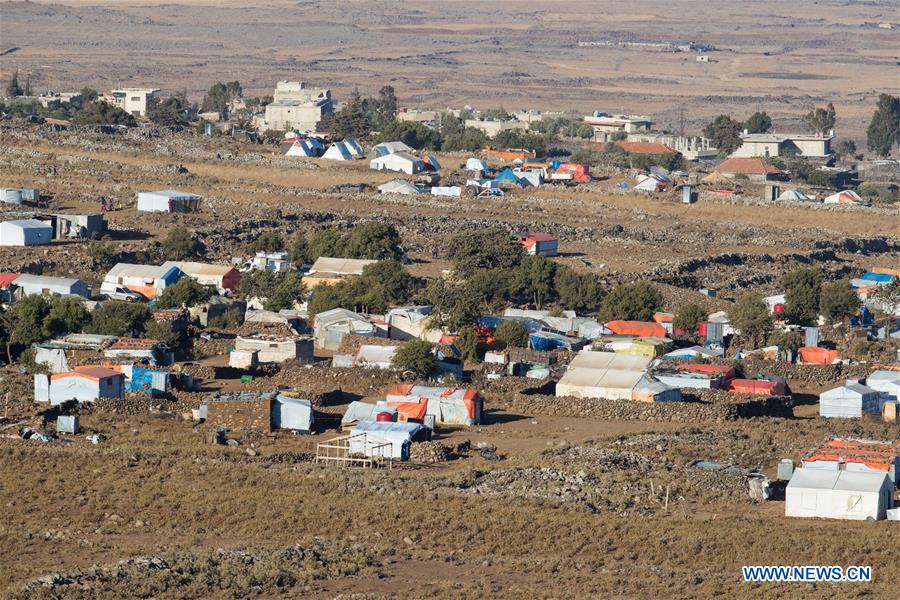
493,127
87,227
776,144
26,232
296,106
131,100
605,125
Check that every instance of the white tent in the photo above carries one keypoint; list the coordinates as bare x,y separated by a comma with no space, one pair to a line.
359,411
398,186
338,151
25,232
838,494
53,358
302,148
608,375
796,195
353,147
844,197
46,284
398,161
849,400
476,164
886,382
168,201
383,439
454,191
649,183
385,148
292,413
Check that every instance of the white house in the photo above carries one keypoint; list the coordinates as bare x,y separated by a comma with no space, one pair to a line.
838,494
25,232
132,100
849,400
398,161
168,201
47,286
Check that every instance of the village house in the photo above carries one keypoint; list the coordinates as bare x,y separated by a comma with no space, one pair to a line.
492,127
327,270
540,243
754,169
296,106
606,125
84,384
25,232
134,101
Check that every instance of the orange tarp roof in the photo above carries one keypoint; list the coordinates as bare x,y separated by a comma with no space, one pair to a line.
661,317
728,372
757,386
637,328
818,356
411,410
875,455
94,373
7,278
747,166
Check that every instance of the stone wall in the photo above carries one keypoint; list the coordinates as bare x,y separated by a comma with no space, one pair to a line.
240,415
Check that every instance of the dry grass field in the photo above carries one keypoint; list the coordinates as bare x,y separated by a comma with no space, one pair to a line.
778,56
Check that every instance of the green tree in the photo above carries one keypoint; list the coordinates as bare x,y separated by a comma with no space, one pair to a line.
487,248
179,244
687,318
27,317
514,138
170,112
467,342
497,113
185,293
490,288
267,241
101,113
789,341
838,301
373,240
535,279
632,302
450,124
217,98
512,333
415,356
454,304
351,120
845,148
28,91
385,107
759,122
382,285
724,133
820,120
13,88
67,314
328,297
328,242
163,331
414,135
300,251
278,290
578,291
88,95
883,132
802,290
751,317
119,318
468,140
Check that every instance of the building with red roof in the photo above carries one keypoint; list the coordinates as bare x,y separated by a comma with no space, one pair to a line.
753,168
540,243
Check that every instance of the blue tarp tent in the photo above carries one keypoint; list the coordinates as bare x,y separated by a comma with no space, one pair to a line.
881,278
152,382
507,175
545,341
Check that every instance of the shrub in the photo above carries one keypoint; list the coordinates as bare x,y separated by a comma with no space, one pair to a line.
802,289
185,293
119,318
415,356
278,290
751,316
512,333
838,301
687,318
631,301
180,245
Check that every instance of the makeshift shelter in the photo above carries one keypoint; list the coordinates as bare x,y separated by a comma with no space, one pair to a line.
331,326
757,387
885,382
353,147
25,232
813,355
637,328
695,352
849,400
844,197
448,405
649,389
168,201
398,186
507,176
547,340
411,322
476,164
431,162
359,411
19,195
398,161
147,280
294,414
868,456
572,171
302,149
272,349
53,358
602,375
338,151
383,439
223,277
540,243
371,356
46,285
385,148
795,196
86,384
327,270
650,183
838,495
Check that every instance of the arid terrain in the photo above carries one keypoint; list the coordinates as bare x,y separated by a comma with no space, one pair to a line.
570,510
782,57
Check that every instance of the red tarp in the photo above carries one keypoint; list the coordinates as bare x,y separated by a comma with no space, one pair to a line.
637,328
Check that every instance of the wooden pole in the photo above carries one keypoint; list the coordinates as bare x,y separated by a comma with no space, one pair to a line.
667,499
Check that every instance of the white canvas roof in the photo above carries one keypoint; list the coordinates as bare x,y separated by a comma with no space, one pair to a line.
363,411
844,197
292,413
390,148
338,151
198,268
340,266
398,186
337,315
353,147
476,164
174,194
28,224
796,195
145,272
301,148
45,280
371,355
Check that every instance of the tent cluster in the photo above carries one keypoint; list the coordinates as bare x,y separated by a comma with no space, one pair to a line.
313,147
